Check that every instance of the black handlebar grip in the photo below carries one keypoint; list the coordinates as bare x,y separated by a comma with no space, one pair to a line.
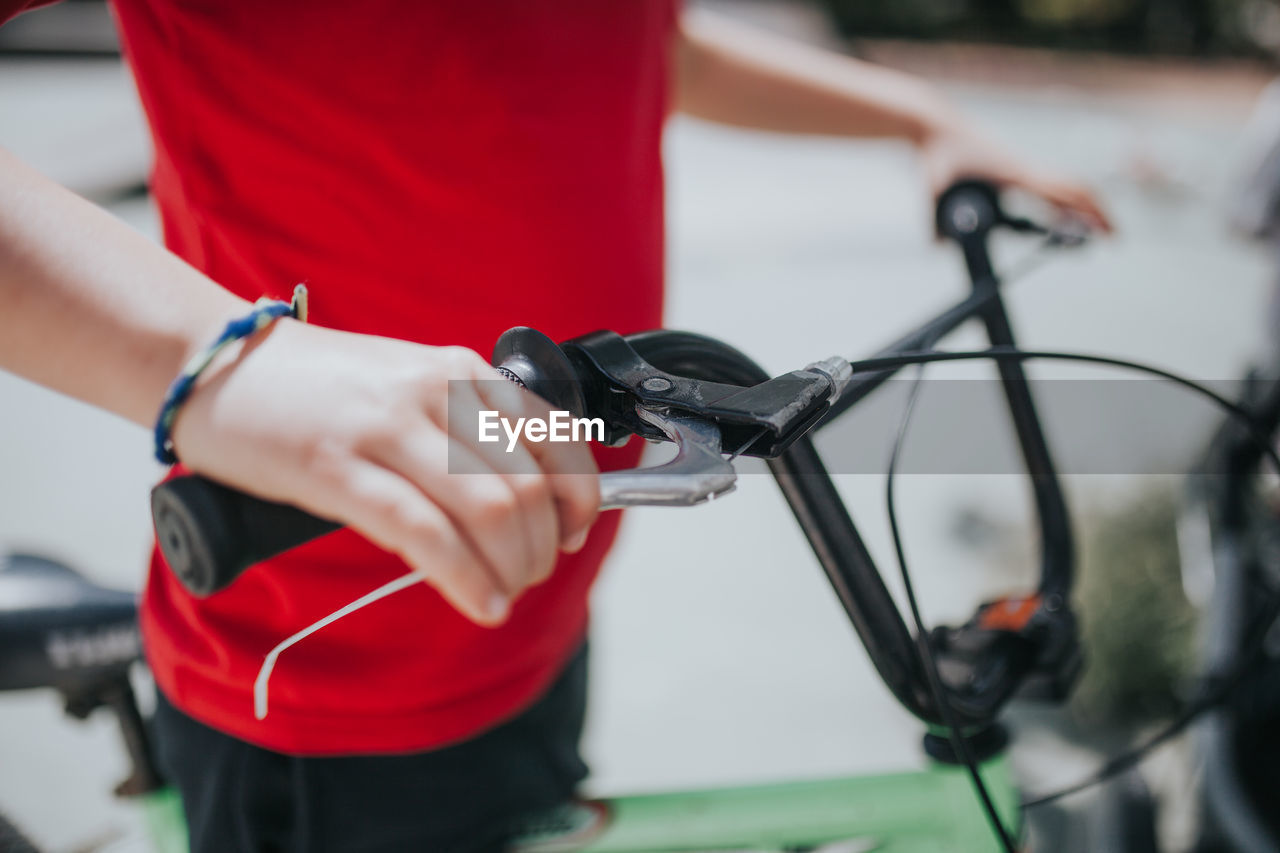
210,534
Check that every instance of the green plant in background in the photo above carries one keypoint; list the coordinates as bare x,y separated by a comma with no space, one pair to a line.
1079,12
1137,627
1159,27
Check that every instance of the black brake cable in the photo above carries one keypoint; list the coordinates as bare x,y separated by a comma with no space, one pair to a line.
1036,257
1215,690
929,662
1219,689
746,445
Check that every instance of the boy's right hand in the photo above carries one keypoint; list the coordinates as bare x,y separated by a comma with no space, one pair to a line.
382,435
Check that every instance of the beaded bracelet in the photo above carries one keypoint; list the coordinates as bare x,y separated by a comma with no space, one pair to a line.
265,312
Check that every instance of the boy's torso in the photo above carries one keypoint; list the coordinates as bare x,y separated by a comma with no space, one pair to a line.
434,171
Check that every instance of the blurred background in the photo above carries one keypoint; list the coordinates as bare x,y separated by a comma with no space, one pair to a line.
720,655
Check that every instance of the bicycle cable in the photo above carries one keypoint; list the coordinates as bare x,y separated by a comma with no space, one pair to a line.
1035,257
1222,686
1215,691
929,663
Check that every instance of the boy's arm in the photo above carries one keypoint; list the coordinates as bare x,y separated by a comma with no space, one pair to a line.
91,308
349,427
734,75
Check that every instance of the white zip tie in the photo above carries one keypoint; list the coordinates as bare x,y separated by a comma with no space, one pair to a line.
269,664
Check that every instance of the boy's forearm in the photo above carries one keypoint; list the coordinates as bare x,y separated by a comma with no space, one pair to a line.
733,75
91,308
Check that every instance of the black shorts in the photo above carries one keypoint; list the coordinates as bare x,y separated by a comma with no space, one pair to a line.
240,798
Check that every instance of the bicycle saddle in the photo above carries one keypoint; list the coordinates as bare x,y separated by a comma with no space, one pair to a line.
58,629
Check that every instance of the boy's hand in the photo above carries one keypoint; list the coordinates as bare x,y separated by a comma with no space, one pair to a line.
382,435
732,74
952,150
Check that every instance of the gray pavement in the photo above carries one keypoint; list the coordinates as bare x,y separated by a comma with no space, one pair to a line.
719,654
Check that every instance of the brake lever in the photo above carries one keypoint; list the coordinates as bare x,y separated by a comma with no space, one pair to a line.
697,474
970,209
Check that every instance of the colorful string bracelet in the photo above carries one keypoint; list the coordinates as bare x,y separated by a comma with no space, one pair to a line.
265,312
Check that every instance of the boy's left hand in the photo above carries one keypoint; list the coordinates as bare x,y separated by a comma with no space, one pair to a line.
954,150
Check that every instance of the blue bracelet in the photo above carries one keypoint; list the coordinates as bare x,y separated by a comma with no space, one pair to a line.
265,312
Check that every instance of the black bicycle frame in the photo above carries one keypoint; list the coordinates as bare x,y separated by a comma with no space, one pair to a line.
822,515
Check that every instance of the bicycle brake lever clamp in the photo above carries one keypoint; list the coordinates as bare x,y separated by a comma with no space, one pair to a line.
764,418
838,371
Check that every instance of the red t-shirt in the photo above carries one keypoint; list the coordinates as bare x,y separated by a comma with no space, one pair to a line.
437,171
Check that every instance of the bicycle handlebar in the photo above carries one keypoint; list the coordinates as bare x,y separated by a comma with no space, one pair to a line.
210,533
